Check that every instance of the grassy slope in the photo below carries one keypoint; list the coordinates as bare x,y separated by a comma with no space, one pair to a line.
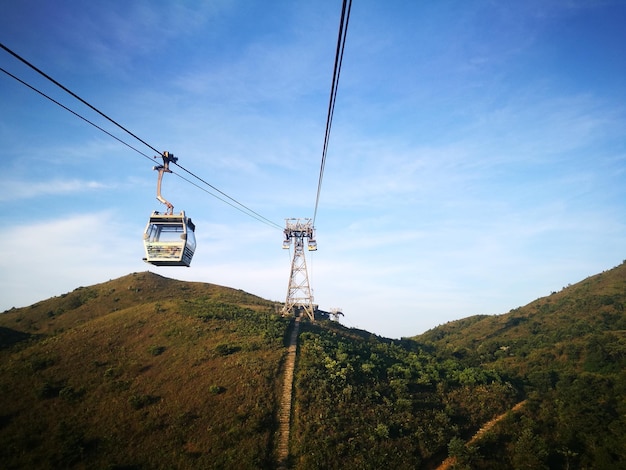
126,374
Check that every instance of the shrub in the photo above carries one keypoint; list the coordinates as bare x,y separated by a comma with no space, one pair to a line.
138,402
50,390
71,394
224,349
216,389
157,350
41,363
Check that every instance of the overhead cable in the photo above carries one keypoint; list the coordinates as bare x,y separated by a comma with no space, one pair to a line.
242,207
75,95
74,113
251,213
341,42
258,216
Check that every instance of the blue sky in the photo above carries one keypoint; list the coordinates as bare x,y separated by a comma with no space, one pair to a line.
477,159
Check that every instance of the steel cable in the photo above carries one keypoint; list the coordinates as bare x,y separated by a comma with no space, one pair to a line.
341,42
242,207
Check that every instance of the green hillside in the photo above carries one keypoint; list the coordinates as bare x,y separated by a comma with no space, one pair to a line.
141,372
145,372
568,353
366,402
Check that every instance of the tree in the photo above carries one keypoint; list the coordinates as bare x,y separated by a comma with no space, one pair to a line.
530,451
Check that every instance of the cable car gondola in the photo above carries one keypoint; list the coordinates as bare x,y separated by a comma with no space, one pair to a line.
169,239
286,244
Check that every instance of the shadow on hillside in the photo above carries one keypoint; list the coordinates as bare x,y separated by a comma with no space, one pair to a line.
9,337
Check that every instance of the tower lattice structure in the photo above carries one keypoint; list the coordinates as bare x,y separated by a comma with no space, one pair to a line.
300,232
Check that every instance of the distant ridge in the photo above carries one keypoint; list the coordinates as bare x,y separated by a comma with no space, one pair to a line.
592,306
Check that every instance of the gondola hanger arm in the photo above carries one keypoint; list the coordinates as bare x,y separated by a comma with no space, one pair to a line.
167,158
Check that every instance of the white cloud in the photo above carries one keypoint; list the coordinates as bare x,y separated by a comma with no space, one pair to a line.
57,255
16,190
467,171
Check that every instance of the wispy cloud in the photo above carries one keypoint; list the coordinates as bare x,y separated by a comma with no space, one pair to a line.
114,39
16,190
52,255
476,159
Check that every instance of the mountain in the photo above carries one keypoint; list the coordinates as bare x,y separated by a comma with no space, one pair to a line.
145,372
141,372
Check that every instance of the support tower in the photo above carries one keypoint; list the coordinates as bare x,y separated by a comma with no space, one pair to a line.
299,296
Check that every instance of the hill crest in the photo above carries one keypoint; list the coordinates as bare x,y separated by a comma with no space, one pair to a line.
549,325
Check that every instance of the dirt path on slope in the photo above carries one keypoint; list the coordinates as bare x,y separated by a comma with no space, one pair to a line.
446,464
284,417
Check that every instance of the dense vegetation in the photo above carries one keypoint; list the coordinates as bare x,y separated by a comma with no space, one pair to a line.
568,350
365,402
145,372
